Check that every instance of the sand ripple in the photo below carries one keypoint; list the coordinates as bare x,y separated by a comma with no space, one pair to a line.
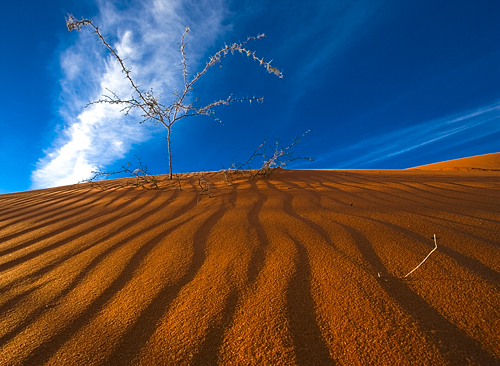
303,268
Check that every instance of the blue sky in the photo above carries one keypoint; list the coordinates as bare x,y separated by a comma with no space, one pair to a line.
380,84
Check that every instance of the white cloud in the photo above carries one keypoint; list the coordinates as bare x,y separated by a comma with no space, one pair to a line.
146,37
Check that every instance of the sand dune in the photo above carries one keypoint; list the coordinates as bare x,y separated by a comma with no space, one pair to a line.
479,162
302,268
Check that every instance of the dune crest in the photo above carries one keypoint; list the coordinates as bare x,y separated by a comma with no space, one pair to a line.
302,268
486,162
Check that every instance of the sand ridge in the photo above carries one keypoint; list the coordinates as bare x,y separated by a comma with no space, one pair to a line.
301,268
484,162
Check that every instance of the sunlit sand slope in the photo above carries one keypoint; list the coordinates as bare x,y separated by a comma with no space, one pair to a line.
479,162
302,268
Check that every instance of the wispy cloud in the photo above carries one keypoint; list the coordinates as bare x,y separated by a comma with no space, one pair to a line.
333,34
146,36
484,120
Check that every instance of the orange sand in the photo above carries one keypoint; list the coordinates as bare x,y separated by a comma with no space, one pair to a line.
302,268
480,162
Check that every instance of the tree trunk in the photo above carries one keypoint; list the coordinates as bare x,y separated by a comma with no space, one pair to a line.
169,154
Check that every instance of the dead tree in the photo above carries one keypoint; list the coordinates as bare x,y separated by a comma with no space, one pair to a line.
150,105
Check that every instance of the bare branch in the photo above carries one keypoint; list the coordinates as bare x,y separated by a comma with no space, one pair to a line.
182,45
144,179
278,158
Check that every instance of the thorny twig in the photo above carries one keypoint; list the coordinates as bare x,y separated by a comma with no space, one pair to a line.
279,157
141,173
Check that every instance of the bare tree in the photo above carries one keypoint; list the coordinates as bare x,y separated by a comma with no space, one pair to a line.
151,106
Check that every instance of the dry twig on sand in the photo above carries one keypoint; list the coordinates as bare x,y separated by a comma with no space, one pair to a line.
279,157
205,187
143,178
428,255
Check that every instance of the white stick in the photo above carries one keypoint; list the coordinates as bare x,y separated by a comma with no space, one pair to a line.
428,255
